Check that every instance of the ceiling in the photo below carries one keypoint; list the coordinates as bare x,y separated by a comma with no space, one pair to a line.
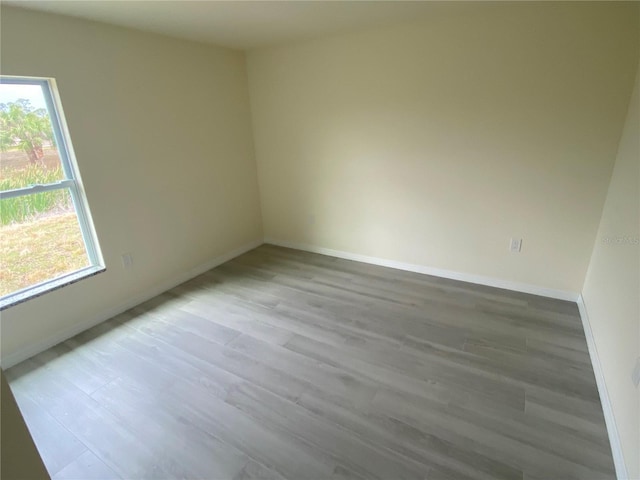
240,24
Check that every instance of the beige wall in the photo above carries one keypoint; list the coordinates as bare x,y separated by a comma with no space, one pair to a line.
162,134
436,142
612,288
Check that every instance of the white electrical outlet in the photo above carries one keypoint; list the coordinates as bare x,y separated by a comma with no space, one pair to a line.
127,261
515,245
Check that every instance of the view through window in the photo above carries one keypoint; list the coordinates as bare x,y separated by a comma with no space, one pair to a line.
45,230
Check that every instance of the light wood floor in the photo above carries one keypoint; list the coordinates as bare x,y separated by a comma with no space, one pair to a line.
284,364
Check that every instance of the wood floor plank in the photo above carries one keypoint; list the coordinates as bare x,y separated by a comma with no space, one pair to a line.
272,447
57,445
242,320
282,364
255,471
486,440
196,453
222,358
102,433
86,467
351,451
357,390
406,439
372,364
78,369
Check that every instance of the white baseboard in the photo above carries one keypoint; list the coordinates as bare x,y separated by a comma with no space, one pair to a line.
607,409
437,272
62,335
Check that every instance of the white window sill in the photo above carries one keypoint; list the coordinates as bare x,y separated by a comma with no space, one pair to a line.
38,290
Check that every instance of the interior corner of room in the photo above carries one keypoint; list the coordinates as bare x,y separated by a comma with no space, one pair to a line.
428,146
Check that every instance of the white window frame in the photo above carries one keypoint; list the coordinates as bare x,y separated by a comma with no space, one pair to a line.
72,182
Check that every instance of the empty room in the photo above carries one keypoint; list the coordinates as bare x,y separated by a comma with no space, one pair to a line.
320,240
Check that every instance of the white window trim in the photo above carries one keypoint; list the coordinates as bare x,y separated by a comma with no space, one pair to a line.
72,182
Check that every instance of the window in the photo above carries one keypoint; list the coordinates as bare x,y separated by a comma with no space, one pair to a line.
47,238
